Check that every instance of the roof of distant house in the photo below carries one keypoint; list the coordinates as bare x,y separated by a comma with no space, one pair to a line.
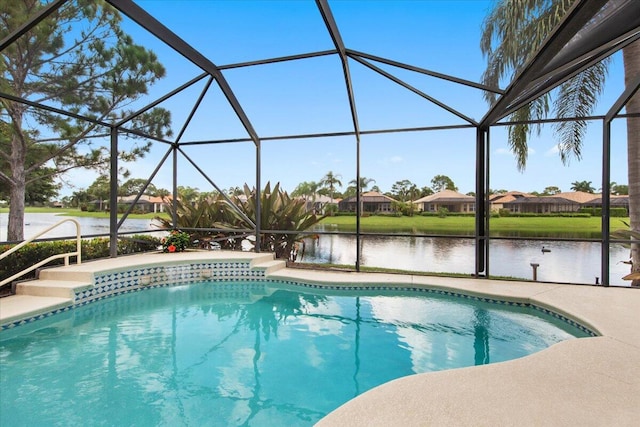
326,199
577,196
145,199
545,200
370,197
446,196
614,200
508,196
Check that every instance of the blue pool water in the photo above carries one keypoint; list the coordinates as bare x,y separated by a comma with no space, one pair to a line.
246,353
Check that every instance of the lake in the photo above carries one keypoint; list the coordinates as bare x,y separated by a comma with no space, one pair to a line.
567,262
37,222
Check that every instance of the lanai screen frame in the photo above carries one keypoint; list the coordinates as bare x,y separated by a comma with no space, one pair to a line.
588,33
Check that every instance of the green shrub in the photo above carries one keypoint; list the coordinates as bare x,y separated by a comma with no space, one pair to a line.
547,215
331,209
443,212
345,213
176,241
618,212
613,212
278,211
396,214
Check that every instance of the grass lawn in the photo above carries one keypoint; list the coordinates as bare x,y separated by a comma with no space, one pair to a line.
524,226
452,225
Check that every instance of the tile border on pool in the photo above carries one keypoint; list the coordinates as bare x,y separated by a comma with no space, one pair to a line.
400,287
32,319
113,283
121,282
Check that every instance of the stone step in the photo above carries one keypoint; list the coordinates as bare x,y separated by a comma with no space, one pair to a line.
270,266
17,307
262,258
52,288
72,273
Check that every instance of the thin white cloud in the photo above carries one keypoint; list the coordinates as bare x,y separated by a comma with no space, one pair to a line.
553,151
503,151
395,159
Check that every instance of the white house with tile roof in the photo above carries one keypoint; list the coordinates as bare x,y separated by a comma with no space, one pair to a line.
447,199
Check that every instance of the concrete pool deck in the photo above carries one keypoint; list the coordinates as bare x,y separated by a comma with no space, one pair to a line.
586,382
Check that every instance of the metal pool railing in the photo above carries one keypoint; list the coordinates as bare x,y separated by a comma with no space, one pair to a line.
66,255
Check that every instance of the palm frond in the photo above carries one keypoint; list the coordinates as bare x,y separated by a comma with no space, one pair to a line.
577,98
513,32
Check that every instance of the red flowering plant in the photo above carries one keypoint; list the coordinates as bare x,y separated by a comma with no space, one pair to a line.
176,241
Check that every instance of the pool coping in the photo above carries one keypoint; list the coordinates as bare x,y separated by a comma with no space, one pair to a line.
589,381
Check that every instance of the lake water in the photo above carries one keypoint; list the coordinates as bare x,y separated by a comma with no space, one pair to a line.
567,262
38,222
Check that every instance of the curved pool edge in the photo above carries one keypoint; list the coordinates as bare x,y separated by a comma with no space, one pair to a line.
572,383
587,381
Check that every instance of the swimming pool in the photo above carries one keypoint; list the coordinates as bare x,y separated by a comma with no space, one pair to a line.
256,353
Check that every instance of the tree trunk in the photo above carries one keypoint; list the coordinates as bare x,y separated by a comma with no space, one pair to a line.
631,55
15,226
17,186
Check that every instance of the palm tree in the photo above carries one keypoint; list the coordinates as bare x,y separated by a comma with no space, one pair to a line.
330,180
308,191
364,183
584,186
512,31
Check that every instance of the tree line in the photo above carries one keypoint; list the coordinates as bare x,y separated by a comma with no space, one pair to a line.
329,185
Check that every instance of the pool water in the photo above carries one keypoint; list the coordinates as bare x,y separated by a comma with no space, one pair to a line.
246,353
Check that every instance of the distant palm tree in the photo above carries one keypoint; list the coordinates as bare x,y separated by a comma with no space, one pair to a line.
364,183
162,192
584,186
235,191
512,32
307,190
330,180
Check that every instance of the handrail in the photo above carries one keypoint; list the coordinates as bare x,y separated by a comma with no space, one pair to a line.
77,253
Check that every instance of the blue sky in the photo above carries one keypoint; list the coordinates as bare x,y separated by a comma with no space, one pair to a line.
309,96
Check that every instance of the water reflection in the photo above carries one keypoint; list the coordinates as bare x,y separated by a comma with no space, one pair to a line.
246,353
481,335
567,262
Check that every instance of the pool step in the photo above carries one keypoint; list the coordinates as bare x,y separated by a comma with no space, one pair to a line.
56,287
68,274
52,288
270,266
18,307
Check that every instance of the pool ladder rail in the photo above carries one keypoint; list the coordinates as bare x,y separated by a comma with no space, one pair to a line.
77,253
